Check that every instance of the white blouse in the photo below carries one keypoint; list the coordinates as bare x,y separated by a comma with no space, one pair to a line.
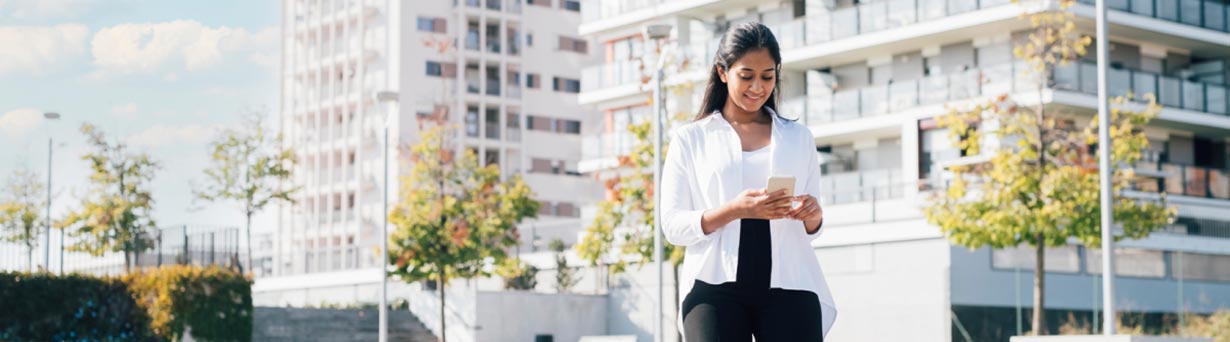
703,170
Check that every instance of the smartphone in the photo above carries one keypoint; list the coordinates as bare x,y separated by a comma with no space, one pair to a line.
779,183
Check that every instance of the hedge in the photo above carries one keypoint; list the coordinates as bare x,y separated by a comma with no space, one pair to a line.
154,305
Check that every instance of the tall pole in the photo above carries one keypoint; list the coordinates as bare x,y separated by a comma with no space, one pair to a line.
47,229
657,195
384,236
1108,241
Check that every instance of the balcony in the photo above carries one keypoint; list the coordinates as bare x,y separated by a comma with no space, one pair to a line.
1209,14
494,5
611,75
1172,92
493,87
1184,180
602,9
861,186
599,151
871,17
514,6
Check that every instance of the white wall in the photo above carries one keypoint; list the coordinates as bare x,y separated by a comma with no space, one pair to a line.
522,315
894,291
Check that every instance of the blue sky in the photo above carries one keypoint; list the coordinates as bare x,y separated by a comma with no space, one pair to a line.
164,76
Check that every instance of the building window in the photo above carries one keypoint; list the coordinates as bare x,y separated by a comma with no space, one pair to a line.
434,69
472,122
434,25
573,44
543,3
571,5
529,39
568,126
532,81
566,85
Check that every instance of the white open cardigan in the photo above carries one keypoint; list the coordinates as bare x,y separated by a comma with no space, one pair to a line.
703,170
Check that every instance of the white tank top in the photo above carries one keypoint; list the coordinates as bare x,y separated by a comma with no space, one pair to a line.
756,168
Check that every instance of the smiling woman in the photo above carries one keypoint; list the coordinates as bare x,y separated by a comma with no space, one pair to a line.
749,268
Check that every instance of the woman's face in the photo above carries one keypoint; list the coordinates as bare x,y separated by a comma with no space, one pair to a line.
750,80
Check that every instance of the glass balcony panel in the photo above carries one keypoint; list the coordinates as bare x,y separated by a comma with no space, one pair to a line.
873,17
1174,178
1189,11
903,95
874,100
1142,7
1196,178
845,22
961,6
963,85
1067,77
1215,15
1118,82
1215,97
1219,183
934,89
997,80
1168,10
1089,78
1193,95
817,28
819,108
932,9
846,104
1168,92
1143,84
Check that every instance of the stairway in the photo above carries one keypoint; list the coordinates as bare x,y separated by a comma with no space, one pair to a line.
297,324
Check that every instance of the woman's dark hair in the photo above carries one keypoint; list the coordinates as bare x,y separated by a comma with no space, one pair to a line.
737,41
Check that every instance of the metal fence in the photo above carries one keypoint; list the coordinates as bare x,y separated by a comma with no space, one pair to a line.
181,244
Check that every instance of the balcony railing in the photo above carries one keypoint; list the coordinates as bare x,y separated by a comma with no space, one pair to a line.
606,145
1170,91
602,9
610,75
871,17
514,6
493,5
845,104
1185,180
1209,14
699,56
861,186
493,87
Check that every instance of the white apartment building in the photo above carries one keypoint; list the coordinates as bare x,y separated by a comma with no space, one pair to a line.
869,77
508,80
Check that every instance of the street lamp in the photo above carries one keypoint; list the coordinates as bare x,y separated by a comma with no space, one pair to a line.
47,229
658,33
389,98
1108,241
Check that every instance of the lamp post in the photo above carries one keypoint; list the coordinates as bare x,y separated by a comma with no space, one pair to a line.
1108,241
658,33
389,98
47,230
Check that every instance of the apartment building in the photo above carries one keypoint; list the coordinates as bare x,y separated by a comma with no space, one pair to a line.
505,73
869,77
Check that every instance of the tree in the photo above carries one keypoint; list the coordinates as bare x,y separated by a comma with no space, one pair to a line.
565,277
518,275
21,212
248,166
116,214
455,217
1040,184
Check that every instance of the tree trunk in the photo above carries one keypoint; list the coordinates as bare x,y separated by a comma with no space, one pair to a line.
678,334
248,229
440,287
30,258
1039,286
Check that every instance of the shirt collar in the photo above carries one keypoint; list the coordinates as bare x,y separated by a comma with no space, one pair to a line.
716,120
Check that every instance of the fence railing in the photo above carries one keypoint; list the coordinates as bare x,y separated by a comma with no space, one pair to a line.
1185,180
1209,14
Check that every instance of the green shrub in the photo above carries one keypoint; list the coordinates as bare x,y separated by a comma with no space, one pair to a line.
214,302
45,307
155,305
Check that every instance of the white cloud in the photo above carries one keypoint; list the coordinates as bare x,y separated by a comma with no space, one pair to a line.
163,48
162,135
43,9
126,110
16,122
37,49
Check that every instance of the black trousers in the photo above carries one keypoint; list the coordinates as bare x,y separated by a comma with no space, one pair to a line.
747,307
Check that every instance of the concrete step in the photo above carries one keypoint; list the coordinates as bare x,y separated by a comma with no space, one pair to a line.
299,324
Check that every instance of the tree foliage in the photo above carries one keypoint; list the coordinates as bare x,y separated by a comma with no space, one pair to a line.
21,211
248,166
116,214
565,276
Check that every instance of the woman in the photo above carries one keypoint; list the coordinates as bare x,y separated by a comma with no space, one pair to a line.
749,269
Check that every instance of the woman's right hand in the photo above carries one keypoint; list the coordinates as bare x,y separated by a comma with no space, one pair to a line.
757,204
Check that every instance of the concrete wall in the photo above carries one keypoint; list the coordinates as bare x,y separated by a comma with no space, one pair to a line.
902,285
522,315
976,283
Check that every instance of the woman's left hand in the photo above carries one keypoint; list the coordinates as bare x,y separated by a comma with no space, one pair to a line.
808,210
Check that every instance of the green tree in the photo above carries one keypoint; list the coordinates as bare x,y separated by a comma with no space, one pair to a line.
565,277
1040,184
455,217
248,167
116,214
518,275
21,211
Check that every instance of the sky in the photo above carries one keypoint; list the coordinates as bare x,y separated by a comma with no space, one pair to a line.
163,76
